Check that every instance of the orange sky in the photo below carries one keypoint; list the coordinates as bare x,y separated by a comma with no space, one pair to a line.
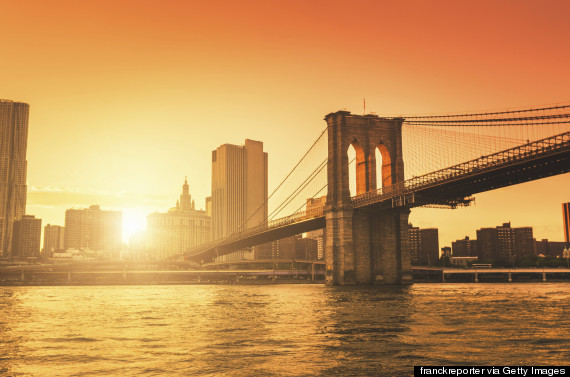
128,97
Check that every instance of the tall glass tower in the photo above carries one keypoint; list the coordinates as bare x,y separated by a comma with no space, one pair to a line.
13,145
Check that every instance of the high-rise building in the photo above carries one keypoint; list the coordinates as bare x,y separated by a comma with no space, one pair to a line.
181,228
566,220
13,145
424,245
239,187
414,236
464,248
550,248
307,249
26,237
53,239
430,246
93,229
505,245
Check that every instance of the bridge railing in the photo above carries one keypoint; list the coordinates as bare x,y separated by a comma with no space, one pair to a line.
314,212
551,144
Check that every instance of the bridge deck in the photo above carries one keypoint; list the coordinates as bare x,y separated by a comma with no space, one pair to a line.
451,187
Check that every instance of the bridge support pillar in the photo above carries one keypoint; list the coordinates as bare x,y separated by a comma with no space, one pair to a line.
339,251
390,247
364,247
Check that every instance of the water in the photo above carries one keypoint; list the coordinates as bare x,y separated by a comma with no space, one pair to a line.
279,330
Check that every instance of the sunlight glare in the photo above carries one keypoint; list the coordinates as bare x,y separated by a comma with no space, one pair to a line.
134,220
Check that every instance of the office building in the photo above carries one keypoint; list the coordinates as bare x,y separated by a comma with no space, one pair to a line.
239,187
307,249
93,229
429,246
13,145
464,248
548,248
424,245
53,239
504,245
181,228
415,243
26,238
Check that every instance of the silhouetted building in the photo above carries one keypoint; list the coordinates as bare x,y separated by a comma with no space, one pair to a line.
430,246
306,249
566,221
424,245
26,237
264,251
294,247
53,239
239,187
549,248
446,251
504,245
464,248
181,228
415,243
13,146
93,229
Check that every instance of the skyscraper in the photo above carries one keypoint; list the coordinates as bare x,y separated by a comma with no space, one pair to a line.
13,145
239,187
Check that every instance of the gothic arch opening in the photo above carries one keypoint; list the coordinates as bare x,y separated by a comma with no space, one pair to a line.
356,169
383,167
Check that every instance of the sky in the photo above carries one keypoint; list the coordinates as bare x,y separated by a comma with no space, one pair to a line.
127,97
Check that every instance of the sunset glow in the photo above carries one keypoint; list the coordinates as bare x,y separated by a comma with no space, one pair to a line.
126,98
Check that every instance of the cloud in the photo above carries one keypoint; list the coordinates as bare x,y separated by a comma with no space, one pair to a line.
55,196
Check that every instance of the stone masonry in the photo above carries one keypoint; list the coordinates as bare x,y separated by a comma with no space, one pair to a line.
364,246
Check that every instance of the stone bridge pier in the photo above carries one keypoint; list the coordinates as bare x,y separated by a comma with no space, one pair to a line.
365,245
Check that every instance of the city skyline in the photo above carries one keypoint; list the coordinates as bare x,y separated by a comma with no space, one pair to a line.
120,111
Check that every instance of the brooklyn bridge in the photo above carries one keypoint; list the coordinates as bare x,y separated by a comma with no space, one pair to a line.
363,174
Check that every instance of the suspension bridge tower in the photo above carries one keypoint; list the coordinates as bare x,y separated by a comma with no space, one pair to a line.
365,246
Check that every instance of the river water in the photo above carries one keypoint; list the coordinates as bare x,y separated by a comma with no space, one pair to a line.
279,330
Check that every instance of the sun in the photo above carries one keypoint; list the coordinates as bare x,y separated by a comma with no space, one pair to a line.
134,220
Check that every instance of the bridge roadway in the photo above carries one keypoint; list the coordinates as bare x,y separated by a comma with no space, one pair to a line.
449,187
